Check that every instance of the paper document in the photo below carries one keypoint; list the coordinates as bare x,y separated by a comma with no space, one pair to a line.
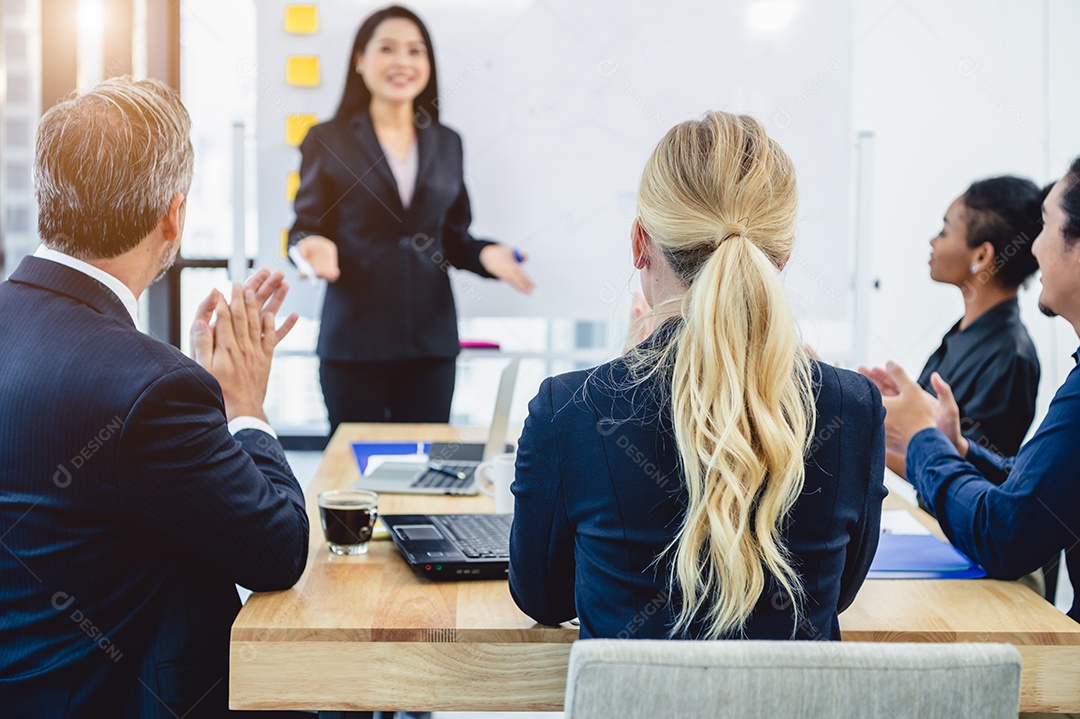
900,521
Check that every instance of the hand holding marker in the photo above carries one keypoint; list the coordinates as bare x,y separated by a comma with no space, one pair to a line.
302,265
504,263
521,281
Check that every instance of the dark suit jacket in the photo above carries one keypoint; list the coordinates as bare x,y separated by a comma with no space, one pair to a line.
599,496
393,299
127,511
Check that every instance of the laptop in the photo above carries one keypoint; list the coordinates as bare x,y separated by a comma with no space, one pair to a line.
453,546
451,467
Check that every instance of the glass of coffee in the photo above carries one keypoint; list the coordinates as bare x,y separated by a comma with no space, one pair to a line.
348,516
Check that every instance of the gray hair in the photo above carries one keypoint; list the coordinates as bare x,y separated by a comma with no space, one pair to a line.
108,163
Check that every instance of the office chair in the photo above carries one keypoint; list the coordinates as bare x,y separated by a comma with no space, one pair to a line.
642,679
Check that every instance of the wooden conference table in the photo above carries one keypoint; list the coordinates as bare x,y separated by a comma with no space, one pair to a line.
364,633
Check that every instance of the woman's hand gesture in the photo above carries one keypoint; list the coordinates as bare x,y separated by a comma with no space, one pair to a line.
502,262
321,254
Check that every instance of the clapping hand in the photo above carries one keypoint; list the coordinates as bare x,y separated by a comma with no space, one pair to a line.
910,409
947,414
237,348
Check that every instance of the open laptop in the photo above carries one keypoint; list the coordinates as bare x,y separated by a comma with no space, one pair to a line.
451,467
453,546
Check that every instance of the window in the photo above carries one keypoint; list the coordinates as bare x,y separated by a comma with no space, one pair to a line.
20,67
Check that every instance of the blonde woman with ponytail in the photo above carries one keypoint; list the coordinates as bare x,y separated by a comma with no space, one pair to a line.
713,482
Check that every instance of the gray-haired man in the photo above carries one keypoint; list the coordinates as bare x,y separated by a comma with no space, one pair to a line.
136,486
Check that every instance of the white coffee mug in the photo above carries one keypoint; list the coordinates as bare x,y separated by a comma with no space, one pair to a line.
493,479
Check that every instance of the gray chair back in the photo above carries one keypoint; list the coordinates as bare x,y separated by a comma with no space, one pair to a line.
642,679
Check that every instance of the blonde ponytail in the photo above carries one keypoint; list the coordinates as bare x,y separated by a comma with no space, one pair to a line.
718,197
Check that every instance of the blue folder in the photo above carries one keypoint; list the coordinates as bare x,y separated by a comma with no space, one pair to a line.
365,450
920,556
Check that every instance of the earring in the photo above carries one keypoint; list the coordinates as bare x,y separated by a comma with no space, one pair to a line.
974,267
358,70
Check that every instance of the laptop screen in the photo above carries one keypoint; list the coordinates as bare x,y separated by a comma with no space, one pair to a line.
500,420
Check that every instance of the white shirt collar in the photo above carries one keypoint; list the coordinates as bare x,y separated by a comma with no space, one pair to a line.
127,297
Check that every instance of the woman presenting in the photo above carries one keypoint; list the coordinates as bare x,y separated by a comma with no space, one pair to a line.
381,214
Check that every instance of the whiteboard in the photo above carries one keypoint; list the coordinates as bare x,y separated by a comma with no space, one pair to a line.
560,103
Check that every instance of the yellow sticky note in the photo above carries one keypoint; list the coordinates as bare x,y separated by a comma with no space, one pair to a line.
296,127
302,70
284,243
301,19
292,183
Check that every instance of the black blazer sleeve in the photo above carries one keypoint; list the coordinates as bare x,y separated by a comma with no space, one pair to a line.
541,572
462,249
867,531
177,461
314,202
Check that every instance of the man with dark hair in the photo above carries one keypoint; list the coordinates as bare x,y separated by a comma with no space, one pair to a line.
1011,515
137,486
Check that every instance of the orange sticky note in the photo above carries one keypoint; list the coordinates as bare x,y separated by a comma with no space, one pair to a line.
301,19
302,70
296,127
292,184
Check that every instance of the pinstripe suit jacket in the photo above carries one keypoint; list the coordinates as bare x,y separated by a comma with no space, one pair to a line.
127,511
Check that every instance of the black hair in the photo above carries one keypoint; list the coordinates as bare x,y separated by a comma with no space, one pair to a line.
356,97
1070,203
1006,212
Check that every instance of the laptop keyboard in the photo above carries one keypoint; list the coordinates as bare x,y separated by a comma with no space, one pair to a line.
479,536
432,479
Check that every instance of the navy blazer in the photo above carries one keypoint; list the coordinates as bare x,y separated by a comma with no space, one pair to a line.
599,496
127,511
1010,514
393,299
